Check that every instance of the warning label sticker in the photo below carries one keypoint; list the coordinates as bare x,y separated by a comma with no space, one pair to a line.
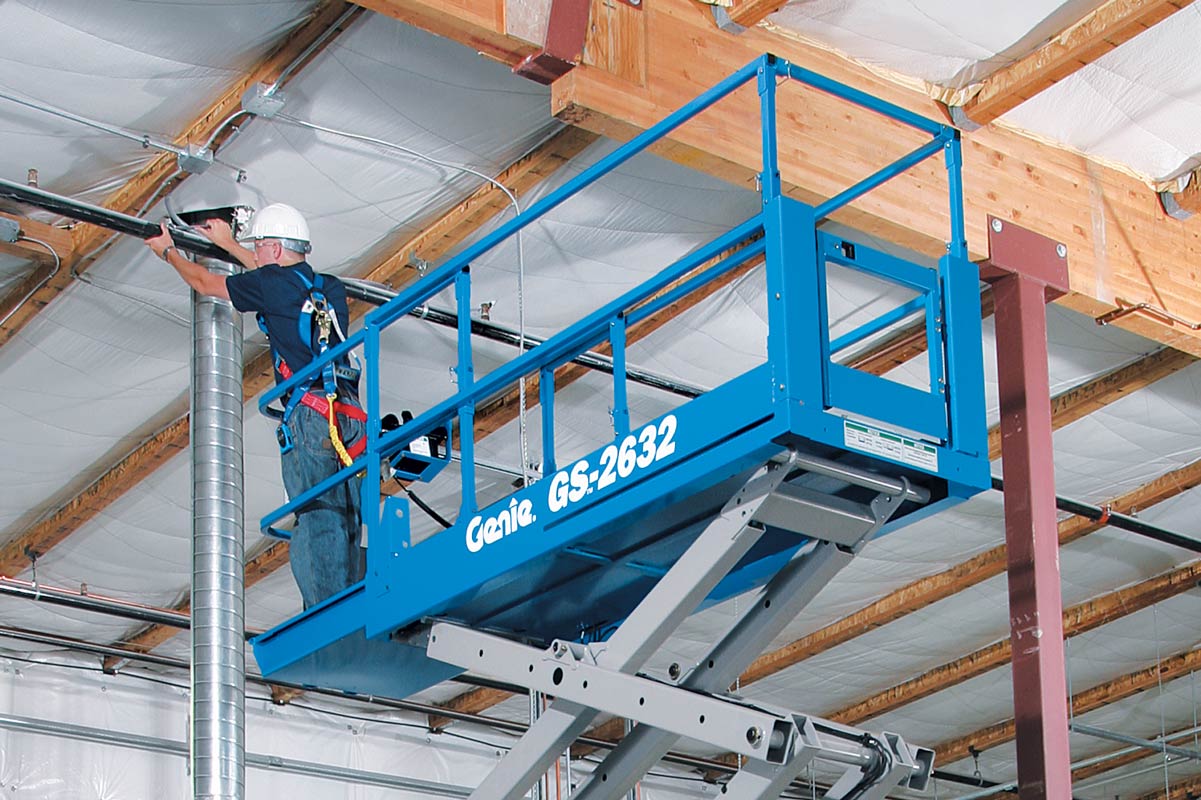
858,436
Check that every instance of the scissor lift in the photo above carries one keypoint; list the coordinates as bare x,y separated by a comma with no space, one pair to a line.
773,480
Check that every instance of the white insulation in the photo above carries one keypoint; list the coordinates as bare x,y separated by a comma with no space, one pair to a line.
104,367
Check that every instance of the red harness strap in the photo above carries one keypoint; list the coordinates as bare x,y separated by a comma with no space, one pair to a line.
320,404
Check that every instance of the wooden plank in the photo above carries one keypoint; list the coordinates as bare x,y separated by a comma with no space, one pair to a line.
1079,402
1076,620
1121,244
58,239
1103,694
931,589
1082,43
474,701
441,238
56,527
90,241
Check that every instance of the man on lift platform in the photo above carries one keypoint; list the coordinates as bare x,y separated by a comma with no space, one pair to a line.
321,427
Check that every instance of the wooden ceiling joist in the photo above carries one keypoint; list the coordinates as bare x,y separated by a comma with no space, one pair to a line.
1076,620
1080,44
435,242
1103,694
89,241
1080,401
57,239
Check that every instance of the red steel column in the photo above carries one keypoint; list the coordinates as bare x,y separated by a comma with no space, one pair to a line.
1026,270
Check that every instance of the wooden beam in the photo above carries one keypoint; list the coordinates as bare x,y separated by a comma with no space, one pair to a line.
931,589
434,242
1077,403
1082,43
58,239
90,241
1120,243
1076,620
1103,694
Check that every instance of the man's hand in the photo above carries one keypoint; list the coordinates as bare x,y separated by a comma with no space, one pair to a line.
219,233
162,242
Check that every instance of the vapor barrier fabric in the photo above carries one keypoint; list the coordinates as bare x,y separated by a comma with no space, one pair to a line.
1134,107
104,367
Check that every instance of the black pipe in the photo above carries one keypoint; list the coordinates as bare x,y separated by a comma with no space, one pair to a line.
107,218
1116,520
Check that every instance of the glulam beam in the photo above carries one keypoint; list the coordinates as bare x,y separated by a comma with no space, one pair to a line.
1106,693
1078,619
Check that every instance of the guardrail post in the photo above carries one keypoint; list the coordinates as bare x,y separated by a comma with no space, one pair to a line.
546,398
957,246
465,372
370,503
621,404
769,179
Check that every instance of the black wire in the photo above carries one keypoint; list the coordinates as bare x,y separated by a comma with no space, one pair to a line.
434,515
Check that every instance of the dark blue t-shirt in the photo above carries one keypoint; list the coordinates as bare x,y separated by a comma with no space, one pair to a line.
278,296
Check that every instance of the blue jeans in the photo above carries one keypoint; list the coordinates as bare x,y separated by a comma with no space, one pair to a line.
325,552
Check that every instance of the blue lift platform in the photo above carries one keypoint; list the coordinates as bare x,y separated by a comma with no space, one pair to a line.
772,481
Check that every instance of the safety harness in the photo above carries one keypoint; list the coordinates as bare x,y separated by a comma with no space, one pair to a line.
317,320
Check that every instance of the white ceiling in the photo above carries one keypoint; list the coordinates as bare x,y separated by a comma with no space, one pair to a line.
106,364
1138,106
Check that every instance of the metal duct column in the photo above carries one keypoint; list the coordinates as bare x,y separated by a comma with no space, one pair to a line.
217,755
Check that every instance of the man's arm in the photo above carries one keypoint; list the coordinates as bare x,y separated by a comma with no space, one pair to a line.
194,275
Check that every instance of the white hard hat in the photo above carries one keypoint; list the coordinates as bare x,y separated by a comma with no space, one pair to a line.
278,221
